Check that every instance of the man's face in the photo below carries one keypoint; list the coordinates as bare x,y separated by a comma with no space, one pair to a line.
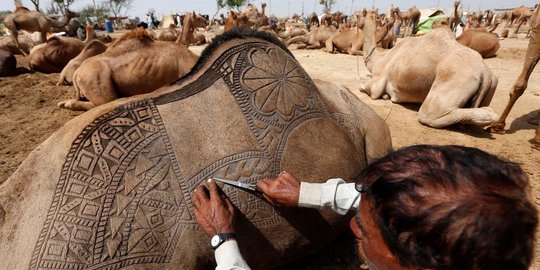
371,246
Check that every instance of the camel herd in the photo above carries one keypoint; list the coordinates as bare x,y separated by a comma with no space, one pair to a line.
111,188
101,72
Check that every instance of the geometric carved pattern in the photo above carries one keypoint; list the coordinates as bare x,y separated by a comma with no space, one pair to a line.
121,199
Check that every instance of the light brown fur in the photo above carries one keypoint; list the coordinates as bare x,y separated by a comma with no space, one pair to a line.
315,39
54,55
134,64
487,44
435,71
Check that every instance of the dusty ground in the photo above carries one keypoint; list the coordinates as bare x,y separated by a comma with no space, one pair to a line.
28,115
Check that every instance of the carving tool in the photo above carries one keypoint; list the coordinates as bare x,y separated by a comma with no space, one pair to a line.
251,188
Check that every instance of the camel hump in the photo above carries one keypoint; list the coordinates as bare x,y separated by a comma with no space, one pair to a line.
137,34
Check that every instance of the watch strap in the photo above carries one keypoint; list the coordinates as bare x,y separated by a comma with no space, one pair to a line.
223,237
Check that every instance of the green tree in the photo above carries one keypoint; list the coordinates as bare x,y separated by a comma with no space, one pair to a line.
93,14
117,7
230,4
327,5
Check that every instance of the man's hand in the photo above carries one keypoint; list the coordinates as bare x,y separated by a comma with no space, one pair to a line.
281,191
213,212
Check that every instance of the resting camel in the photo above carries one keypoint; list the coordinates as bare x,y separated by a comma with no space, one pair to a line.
169,34
531,59
92,48
8,63
315,39
409,19
293,30
451,81
33,21
313,21
134,64
54,55
485,43
351,39
112,188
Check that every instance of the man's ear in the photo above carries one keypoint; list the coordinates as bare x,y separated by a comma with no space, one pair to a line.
355,229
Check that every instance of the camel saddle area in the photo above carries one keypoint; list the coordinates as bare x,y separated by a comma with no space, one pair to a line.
112,188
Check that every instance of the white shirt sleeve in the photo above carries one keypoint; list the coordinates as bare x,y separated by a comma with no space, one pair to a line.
228,257
335,193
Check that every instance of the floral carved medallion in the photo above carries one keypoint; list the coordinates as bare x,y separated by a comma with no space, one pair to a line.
278,83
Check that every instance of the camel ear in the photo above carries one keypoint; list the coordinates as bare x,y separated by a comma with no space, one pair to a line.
364,12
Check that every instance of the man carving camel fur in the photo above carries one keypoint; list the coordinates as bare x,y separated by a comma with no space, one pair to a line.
111,188
451,81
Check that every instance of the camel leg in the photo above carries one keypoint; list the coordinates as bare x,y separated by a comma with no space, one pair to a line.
330,45
444,103
376,88
531,59
76,105
301,46
536,140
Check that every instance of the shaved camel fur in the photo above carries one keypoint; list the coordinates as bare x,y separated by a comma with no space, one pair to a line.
531,59
451,81
112,188
134,64
55,54
33,21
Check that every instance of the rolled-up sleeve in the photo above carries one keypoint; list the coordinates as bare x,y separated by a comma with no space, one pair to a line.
335,194
228,257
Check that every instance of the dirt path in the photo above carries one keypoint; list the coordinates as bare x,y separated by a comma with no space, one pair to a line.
28,115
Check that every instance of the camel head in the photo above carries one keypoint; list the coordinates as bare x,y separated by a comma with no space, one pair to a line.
71,14
456,3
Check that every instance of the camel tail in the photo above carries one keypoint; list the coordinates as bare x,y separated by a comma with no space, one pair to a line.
302,38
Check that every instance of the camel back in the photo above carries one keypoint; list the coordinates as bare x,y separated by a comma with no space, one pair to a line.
122,195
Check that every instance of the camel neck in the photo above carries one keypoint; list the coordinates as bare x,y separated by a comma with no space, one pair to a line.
187,31
369,29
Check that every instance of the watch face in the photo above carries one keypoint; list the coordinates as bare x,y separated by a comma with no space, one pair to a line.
215,240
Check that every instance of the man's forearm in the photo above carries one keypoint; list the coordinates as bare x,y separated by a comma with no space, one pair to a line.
228,256
335,194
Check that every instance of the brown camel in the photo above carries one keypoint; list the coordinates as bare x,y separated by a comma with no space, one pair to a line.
112,188
315,39
237,20
520,15
33,21
489,17
485,43
409,19
26,43
54,55
313,21
293,30
8,63
92,48
134,64
531,59
451,81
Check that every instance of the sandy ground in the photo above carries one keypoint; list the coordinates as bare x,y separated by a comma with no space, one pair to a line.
28,115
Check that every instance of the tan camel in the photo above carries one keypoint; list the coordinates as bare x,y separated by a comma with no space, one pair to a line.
237,20
92,48
488,17
409,19
54,55
315,39
451,81
485,43
520,15
134,64
313,21
293,30
33,21
531,59
351,39
256,19
112,188
169,34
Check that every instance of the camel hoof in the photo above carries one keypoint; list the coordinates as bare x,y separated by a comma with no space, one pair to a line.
497,128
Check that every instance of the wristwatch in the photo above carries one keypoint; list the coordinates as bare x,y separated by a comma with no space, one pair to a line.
220,238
